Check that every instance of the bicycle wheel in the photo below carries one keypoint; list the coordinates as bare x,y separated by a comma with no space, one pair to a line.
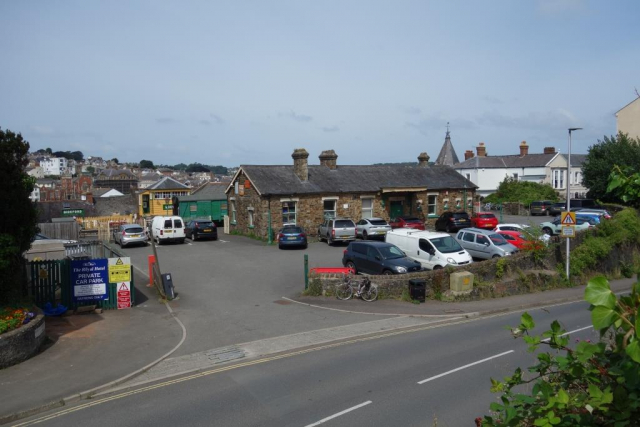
344,291
370,294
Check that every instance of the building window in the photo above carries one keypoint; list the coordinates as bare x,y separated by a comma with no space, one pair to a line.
288,213
432,203
515,176
561,179
329,209
556,179
250,218
233,211
469,176
367,208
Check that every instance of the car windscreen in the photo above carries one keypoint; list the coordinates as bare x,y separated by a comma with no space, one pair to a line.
292,230
487,216
204,224
391,252
497,239
446,244
378,222
133,230
412,220
459,215
343,223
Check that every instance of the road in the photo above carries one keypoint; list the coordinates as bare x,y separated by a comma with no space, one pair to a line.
399,378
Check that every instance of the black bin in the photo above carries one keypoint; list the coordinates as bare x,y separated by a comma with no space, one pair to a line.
417,289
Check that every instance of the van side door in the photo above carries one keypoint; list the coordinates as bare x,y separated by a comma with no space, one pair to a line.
426,254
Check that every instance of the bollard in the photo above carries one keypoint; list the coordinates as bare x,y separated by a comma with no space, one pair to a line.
306,272
152,260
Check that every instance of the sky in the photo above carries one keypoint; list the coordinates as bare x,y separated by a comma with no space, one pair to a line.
247,82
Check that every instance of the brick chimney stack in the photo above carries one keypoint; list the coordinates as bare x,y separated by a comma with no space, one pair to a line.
524,149
423,160
549,150
329,158
481,150
468,154
300,164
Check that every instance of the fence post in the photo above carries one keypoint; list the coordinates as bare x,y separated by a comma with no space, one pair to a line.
306,272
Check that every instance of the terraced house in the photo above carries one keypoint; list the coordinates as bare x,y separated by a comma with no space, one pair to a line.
264,197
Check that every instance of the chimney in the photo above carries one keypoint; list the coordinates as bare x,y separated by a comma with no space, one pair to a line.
300,166
481,150
468,154
549,150
524,149
329,159
423,160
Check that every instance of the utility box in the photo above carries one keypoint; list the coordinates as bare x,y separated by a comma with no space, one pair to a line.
417,289
167,285
461,281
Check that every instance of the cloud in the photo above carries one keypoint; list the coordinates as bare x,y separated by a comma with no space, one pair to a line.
411,110
331,129
558,119
166,120
302,118
439,124
217,119
204,122
492,100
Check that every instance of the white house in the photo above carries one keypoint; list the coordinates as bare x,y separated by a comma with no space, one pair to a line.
628,119
557,176
54,166
35,194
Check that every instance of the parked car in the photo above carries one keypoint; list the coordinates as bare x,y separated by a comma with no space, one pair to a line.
378,258
515,238
601,212
540,207
167,229
292,235
511,227
484,244
201,229
554,227
372,227
432,250
407,222
337,230
130,234
595,216
452,221
557,208
577,204
485,220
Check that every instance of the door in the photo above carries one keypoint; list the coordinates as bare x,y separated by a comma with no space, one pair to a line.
426,259
145,204
373,261
204,209
395,208
483,246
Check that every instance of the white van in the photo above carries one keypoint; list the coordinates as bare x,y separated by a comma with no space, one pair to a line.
432,249
167,229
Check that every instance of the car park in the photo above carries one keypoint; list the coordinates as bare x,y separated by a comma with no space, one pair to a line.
130,234
407,222
368,228
515,238
197,229
484,244
586,215
292,235
337,230
433,250
378,258
540,207
452,221
485,220
601,212
554,227
167,229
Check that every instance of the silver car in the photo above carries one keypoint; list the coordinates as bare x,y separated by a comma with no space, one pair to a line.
368,228
484,244
130,234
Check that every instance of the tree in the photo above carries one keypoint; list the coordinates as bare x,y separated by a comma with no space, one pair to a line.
512,190
619,150
146,164
115,160
91,169
19,215
197,167
48,151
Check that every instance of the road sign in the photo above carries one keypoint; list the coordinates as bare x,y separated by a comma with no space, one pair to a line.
119,270
568,231
72,212
124,295
89,278
568,218
167,207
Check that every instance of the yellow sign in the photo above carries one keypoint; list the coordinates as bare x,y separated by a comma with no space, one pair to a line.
568,218
119,270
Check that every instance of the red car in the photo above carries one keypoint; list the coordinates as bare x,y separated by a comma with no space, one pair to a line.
485,220
515,238
407,222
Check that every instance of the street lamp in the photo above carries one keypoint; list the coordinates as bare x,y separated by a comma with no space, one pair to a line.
569,192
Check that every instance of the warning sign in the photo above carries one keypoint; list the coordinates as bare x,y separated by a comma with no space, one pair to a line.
124,295
119,270
568,218
568,231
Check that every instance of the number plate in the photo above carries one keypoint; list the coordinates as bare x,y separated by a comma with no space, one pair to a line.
135,235
291,238
206,230
168,231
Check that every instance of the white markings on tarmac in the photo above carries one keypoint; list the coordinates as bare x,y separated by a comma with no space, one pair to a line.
465,367
353,408
568,333
223,241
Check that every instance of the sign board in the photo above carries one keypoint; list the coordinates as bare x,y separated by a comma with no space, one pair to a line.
72,212
568,231
119,270
568,218
123,291
167,207
89,278
193,208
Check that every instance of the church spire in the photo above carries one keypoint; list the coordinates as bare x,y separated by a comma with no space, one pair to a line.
447,154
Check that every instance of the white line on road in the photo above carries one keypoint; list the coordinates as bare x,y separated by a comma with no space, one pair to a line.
567,333
353,408
465,367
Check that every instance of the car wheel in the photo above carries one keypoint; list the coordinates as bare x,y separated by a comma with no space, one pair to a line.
181,240
387,272
306,245
364,235
437,267
279,246
496,256
449,229
329,241
352,266
547,231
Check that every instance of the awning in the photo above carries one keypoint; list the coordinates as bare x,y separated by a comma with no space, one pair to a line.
404,190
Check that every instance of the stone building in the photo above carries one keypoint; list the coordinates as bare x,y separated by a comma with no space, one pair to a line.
122,180
263,197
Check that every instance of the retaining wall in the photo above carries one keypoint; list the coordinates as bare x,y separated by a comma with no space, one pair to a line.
22,343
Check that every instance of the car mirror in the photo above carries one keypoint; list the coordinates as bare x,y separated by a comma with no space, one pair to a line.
432,251
486,243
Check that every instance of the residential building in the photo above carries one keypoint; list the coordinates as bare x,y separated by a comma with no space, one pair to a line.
628,119
35,194
55,166
557,176
122,180
160,198
36,172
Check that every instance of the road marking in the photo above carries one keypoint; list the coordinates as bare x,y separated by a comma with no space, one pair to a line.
353,408
223,241
567,333
465,367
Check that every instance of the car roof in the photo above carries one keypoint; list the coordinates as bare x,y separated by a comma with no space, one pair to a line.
420,233
130,225
479,231
371,243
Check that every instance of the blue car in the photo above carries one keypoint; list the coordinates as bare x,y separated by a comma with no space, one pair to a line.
292,236
594,216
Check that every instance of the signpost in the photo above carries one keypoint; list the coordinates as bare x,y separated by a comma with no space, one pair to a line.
119,270
167,207
72,212
124,295
89,279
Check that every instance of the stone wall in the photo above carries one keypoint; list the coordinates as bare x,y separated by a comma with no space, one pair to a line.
20,344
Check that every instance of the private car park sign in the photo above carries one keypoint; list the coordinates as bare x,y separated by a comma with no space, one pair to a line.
89,279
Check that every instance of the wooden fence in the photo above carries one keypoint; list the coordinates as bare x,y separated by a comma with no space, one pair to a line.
61,230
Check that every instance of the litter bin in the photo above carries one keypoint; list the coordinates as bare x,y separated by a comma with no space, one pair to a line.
417,289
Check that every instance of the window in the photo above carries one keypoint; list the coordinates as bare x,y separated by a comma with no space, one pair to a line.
432,205
233,211
424,245
468,237
177,223
515,176
329,209
561,179
251,218
555,179
367,208
288,213
481,240
469,176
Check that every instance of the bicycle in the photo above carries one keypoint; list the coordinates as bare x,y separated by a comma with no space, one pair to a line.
363,289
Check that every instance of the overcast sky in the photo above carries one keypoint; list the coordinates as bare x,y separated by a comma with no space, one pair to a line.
246,82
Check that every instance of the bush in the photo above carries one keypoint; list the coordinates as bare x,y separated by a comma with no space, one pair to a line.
512,190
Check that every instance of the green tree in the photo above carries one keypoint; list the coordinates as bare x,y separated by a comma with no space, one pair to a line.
525,192
19,215
146,164
115,160
91,169
197,167
619,150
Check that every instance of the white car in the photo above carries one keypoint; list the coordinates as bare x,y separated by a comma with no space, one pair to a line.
372,227
511,227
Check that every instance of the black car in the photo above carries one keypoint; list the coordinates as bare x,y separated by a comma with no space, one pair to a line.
557,208
201,228
292,236
453,221
378,258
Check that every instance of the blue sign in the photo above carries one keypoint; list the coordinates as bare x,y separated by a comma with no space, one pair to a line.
90,279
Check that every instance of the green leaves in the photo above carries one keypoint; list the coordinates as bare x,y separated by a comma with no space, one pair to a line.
599,293
603,317
527,321
633,350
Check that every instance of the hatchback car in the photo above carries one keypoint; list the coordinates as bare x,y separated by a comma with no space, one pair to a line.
601,212
511,227
540,207
292,235
378,258
554,227
557,208
130,234
484,244
485,220
407,222
515,238
368,228
201,229
452,221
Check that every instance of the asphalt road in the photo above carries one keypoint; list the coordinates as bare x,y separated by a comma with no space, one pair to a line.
402,379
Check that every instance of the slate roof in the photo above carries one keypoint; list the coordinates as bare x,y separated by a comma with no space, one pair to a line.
512,161
576,159
97,192
210,191
281,180
447,154
167,183
108,173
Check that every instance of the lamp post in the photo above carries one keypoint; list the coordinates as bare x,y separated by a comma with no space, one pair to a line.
569,194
